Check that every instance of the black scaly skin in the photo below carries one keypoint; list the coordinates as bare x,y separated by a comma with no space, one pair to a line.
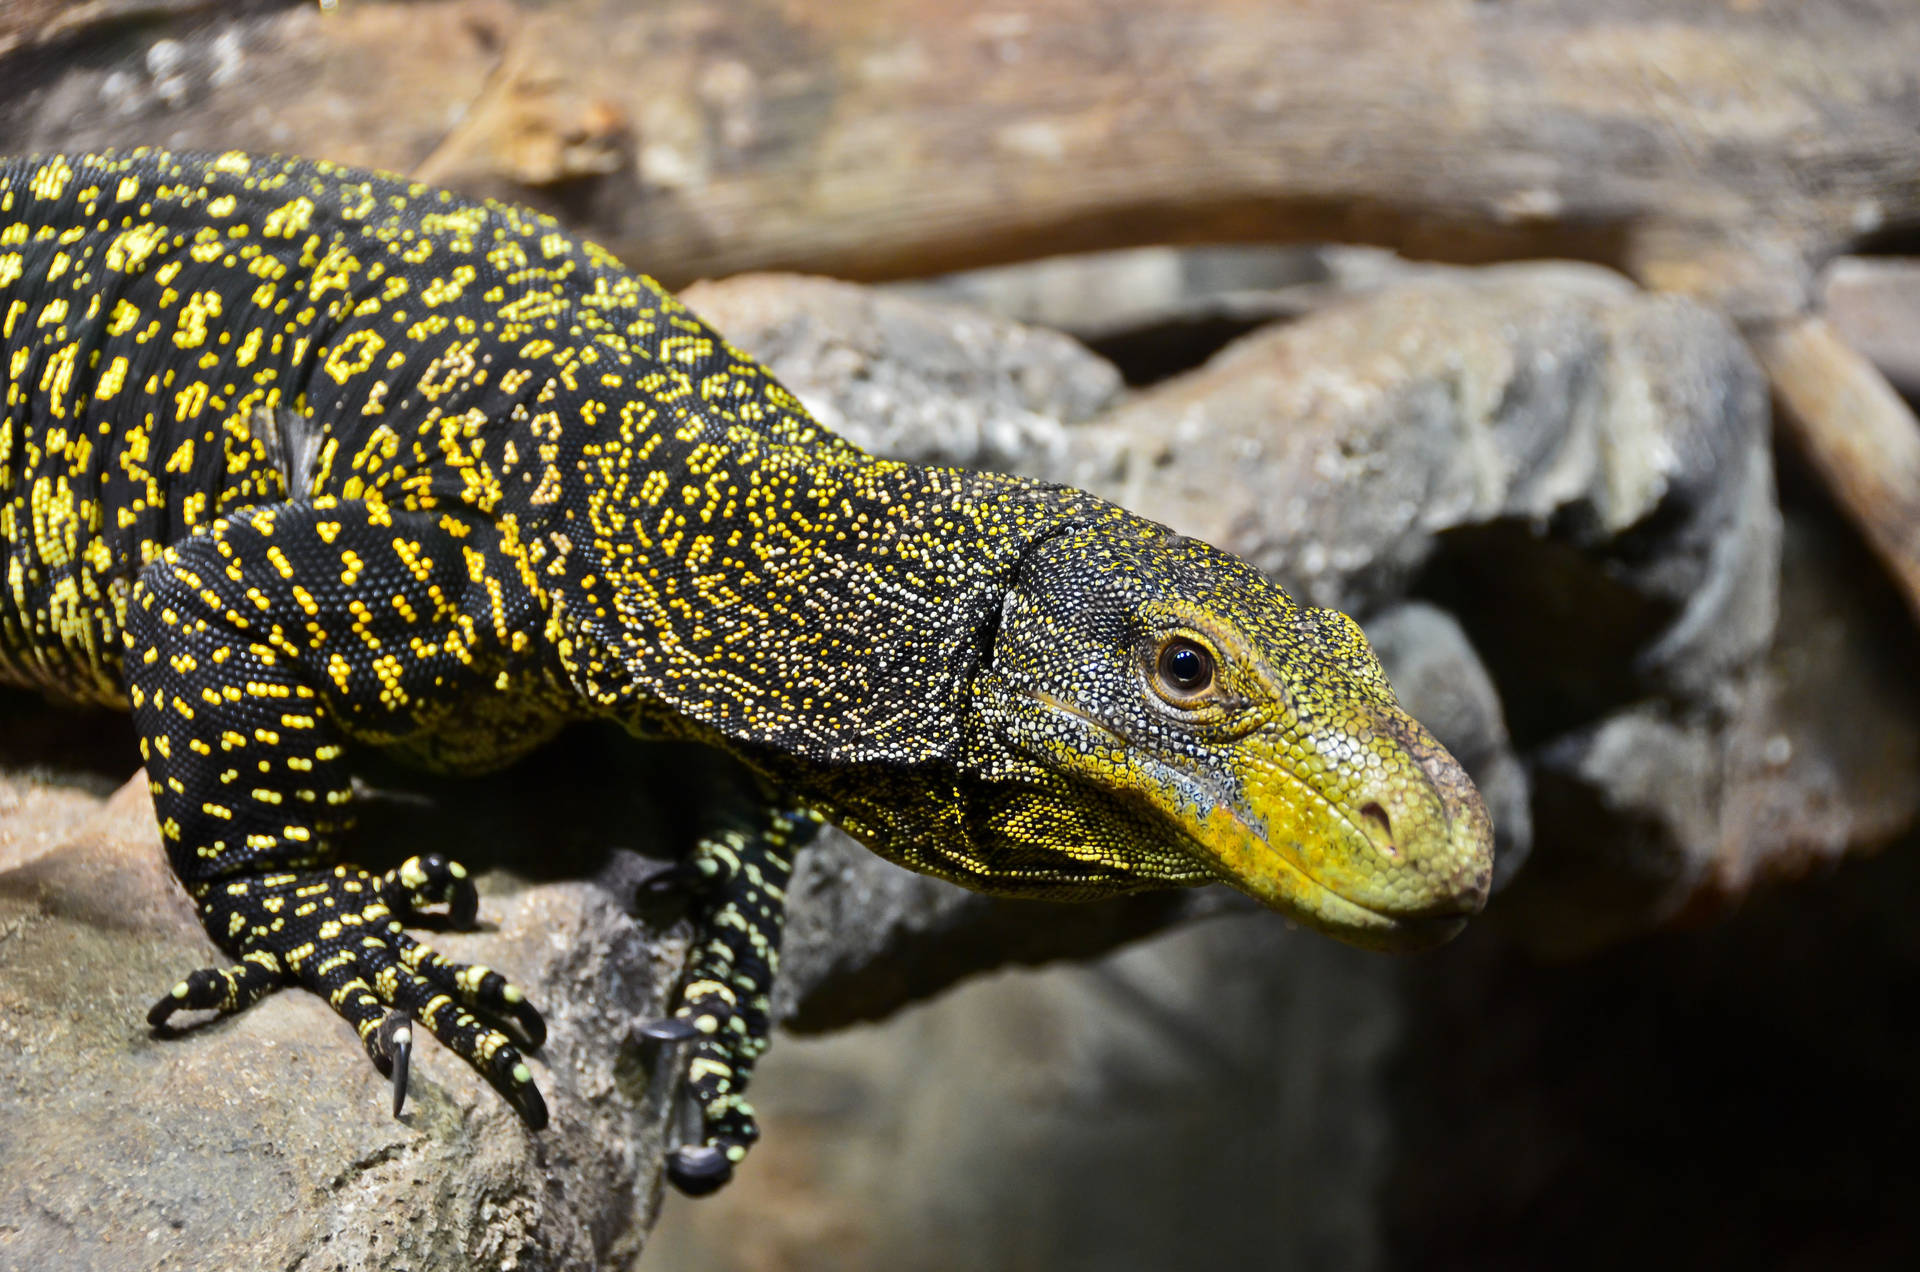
298,459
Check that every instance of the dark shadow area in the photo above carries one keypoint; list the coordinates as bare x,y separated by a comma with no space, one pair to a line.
1856,596
1557,629
1146,355
1739,1097
93,748
1897,238
592,803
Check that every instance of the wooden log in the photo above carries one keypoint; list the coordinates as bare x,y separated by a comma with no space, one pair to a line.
1873,303
1857,433
1720,149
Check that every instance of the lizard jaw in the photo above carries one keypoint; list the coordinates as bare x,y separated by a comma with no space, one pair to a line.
1278,879
1272,870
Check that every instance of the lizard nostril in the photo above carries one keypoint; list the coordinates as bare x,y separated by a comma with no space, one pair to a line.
1379,827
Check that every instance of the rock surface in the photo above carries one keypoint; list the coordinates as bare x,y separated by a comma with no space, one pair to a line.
932,383
264,1140
1569,478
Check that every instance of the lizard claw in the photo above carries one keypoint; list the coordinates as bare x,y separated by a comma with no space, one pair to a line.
395,1040
670,1029
225,989
662,879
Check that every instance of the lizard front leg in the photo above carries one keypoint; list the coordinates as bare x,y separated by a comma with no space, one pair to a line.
739,882
253,651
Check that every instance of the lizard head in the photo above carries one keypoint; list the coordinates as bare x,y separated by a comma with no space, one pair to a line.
1156,710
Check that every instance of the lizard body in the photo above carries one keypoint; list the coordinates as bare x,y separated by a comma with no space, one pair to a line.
298,459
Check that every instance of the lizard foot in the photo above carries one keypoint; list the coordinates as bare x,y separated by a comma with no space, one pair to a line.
739,882
339,933
723,1054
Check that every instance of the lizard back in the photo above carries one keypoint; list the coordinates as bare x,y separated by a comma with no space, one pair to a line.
185,335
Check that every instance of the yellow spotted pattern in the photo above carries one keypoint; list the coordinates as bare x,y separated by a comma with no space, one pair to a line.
297,459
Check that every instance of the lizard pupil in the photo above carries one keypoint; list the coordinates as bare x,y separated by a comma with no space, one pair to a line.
1186,667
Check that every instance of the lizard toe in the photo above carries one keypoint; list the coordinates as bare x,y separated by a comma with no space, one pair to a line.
431,879
488,1050
475,986
227,989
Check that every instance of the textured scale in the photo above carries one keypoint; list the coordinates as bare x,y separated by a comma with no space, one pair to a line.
298,459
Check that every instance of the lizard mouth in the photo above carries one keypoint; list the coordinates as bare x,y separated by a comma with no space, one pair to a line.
1276,875
1272,871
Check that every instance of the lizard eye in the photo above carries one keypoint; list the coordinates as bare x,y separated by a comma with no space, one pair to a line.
1183,672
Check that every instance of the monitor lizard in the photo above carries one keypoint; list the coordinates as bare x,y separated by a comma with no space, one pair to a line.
298,459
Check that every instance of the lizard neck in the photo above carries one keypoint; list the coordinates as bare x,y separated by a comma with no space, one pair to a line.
815,611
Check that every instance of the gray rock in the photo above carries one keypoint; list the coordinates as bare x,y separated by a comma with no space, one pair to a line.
1158,311
1442,683
1555,398
264,1140
937,384
865,937
1099,295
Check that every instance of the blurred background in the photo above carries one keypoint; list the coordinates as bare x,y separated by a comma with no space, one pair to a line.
1570,344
